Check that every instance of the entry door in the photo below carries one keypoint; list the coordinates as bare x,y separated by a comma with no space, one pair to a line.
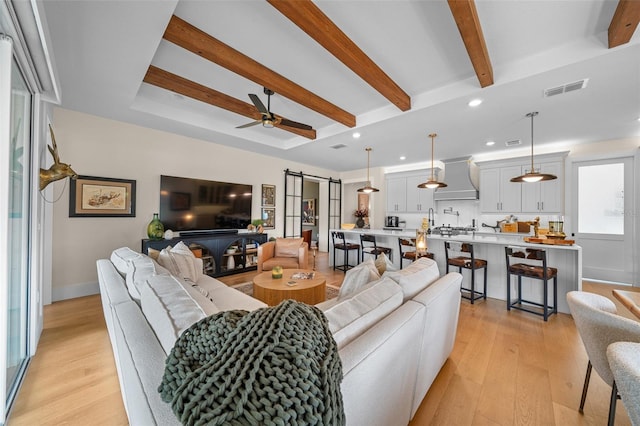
603,218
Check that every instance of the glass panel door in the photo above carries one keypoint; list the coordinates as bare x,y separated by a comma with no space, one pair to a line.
18,232
603,196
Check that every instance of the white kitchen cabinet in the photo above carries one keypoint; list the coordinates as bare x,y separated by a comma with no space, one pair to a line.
419,200
544,197
396,194
497,193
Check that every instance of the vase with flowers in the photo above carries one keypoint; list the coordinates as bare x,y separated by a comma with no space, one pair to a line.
360,214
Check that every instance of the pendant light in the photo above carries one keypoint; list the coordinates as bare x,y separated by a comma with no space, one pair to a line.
533,175
432,183
368,188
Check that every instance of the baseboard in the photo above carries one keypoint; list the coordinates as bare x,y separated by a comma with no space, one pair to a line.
75,290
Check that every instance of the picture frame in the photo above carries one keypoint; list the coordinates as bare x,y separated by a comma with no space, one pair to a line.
93,196
268,216
309,212
268,195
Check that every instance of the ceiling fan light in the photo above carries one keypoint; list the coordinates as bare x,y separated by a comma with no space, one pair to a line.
267,123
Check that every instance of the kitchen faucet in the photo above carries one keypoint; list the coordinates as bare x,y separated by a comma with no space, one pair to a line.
431,217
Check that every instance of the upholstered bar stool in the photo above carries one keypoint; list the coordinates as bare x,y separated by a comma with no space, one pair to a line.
370,246
461,255
340,243
535,268
407,250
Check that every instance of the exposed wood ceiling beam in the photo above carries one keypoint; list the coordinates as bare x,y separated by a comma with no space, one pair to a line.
169,81
624,22
310,19
466,17
191,38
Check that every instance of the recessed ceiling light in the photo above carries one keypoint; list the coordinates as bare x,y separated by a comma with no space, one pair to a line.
491,143
403,158
475,102
356,135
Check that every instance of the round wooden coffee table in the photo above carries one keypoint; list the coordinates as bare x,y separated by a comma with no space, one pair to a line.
273,291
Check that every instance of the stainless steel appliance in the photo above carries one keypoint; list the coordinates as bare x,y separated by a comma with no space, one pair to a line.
392,221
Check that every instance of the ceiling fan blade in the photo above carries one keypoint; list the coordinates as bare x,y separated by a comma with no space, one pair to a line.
289,123
259,105
253,123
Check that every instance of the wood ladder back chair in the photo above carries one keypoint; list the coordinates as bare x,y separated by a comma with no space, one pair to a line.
340,243
535,268
407,250
371,247
464,257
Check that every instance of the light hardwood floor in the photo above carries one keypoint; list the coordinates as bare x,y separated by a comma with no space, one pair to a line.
507,368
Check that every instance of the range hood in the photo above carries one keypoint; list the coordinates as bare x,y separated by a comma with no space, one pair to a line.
461,177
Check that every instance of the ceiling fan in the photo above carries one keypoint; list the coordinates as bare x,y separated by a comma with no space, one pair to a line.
269,119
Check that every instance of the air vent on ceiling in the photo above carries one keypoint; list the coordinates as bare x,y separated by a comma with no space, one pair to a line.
515,142
338,146
566,88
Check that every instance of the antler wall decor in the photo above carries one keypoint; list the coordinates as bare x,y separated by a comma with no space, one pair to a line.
58,170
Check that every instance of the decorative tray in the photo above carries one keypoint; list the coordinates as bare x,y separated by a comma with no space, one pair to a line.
549,241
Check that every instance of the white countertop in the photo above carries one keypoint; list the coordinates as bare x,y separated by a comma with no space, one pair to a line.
500,238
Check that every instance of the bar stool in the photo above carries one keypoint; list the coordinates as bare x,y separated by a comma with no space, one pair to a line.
536,268
408,250
369,246
345,247
464,258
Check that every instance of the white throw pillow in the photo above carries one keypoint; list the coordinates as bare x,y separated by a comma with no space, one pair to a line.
358,277
415,277
183,249
178,263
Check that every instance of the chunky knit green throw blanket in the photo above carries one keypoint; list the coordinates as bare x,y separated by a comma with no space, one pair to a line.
272,366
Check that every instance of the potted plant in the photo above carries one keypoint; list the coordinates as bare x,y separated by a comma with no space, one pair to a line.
360,214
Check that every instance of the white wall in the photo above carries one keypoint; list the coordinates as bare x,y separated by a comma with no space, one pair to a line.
99,147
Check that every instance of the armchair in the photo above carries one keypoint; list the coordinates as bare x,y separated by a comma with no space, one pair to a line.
290,253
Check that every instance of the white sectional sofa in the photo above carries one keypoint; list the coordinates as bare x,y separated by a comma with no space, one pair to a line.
393,334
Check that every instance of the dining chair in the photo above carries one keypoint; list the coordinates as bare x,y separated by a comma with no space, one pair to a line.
599,326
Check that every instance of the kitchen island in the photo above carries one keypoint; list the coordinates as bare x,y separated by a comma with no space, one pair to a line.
566,258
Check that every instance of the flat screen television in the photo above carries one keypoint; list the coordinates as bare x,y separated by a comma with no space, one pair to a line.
202,205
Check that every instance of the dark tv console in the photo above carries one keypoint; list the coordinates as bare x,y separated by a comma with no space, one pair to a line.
222,253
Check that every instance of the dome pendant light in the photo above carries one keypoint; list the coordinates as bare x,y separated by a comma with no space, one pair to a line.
368,188
432,183
533,175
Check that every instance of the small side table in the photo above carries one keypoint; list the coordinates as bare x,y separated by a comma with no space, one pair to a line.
273,291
